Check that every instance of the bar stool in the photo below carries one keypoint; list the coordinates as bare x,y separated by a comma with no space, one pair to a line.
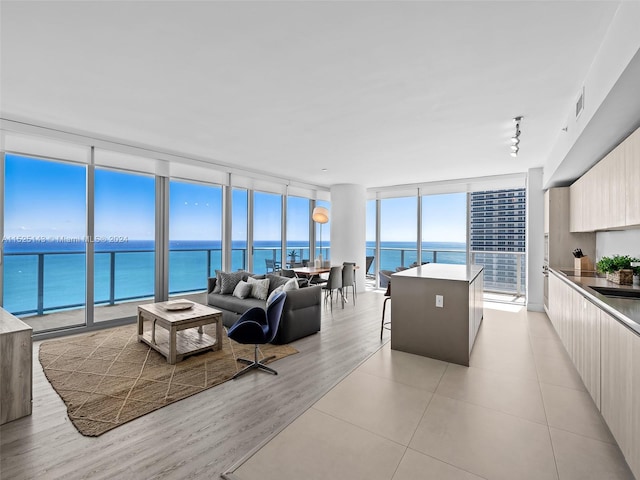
384,324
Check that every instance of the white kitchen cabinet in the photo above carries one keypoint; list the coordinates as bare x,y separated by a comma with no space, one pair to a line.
577,322
617,405
608,195
586,343
559,240
577,206
611,213
607,356
633,455
632,178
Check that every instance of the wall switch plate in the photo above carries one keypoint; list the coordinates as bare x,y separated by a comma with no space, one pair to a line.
440,301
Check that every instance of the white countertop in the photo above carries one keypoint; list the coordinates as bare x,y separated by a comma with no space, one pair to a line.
626,310
442,271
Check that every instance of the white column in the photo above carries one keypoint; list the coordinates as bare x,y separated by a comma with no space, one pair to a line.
535,240
348,227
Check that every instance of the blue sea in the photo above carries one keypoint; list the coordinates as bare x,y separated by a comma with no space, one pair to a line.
41,275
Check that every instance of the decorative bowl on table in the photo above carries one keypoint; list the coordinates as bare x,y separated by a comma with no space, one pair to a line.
178,305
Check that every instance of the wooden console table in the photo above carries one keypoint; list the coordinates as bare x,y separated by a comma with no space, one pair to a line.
15,368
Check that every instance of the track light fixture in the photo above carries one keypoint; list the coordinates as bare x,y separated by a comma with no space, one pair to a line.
515,140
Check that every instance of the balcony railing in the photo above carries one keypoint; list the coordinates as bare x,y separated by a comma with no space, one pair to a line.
120,275
504,272
130,271
393,257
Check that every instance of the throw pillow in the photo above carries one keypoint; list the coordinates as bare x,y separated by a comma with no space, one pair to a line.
274,293
242,290
216,287
276,281
259,288
228,281
291,285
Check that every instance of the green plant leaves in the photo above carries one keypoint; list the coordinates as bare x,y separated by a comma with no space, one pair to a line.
615,263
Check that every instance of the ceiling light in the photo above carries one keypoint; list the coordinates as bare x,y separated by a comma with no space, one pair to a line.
515,140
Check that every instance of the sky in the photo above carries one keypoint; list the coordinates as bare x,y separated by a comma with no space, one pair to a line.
48,199
444,218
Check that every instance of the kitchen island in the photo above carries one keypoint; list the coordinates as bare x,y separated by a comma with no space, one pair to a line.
436,310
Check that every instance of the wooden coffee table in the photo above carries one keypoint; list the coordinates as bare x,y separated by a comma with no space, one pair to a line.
181,334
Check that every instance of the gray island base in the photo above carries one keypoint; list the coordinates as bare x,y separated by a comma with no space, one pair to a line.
436,310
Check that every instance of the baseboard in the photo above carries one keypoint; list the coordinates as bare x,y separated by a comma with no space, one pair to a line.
535,307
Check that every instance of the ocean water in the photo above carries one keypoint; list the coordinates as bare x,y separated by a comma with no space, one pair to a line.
403,254
41,275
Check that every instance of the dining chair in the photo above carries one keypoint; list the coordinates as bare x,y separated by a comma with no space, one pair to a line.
302,282
349,279
271,265
334,282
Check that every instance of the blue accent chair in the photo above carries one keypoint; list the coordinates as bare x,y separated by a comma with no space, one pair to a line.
257,326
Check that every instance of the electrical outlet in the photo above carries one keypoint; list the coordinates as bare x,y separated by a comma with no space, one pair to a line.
440,301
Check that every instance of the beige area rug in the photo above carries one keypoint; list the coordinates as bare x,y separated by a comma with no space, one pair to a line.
107,378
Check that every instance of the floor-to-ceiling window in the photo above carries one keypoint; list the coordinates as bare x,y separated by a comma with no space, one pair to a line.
398,233
444,228
44,251
195,235
370,238
267,232
239,225
124,258
323,233
497,229
298,244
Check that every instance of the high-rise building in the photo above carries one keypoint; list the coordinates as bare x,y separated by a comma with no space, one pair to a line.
497,238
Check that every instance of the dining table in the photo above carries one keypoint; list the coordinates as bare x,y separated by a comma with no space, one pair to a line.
310,271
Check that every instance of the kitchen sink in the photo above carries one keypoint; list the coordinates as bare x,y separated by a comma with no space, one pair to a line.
617,292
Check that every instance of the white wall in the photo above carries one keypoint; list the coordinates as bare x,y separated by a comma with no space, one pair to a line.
348,227
618,49
625,242
535,240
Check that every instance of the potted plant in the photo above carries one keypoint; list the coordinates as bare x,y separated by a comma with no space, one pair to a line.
618,268
292,256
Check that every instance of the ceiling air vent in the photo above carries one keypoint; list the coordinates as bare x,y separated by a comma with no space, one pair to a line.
580,103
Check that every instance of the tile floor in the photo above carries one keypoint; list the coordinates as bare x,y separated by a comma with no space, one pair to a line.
520,411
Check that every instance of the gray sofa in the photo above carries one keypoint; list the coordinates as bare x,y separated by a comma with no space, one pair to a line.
300,316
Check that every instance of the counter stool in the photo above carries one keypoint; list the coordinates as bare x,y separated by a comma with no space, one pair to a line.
384,324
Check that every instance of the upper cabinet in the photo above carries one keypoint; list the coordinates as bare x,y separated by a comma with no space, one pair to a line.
560,240
632,178
608,195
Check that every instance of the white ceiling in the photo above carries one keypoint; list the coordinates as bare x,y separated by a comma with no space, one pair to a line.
378,93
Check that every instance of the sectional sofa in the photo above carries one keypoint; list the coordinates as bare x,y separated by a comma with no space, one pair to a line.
300,316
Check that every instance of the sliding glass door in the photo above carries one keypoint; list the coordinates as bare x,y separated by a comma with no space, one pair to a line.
44,252
267,232
398,233
239,229
298,244
124,243
444,228
195,235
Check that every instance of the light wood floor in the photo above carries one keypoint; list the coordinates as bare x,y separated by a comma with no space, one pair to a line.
201,436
